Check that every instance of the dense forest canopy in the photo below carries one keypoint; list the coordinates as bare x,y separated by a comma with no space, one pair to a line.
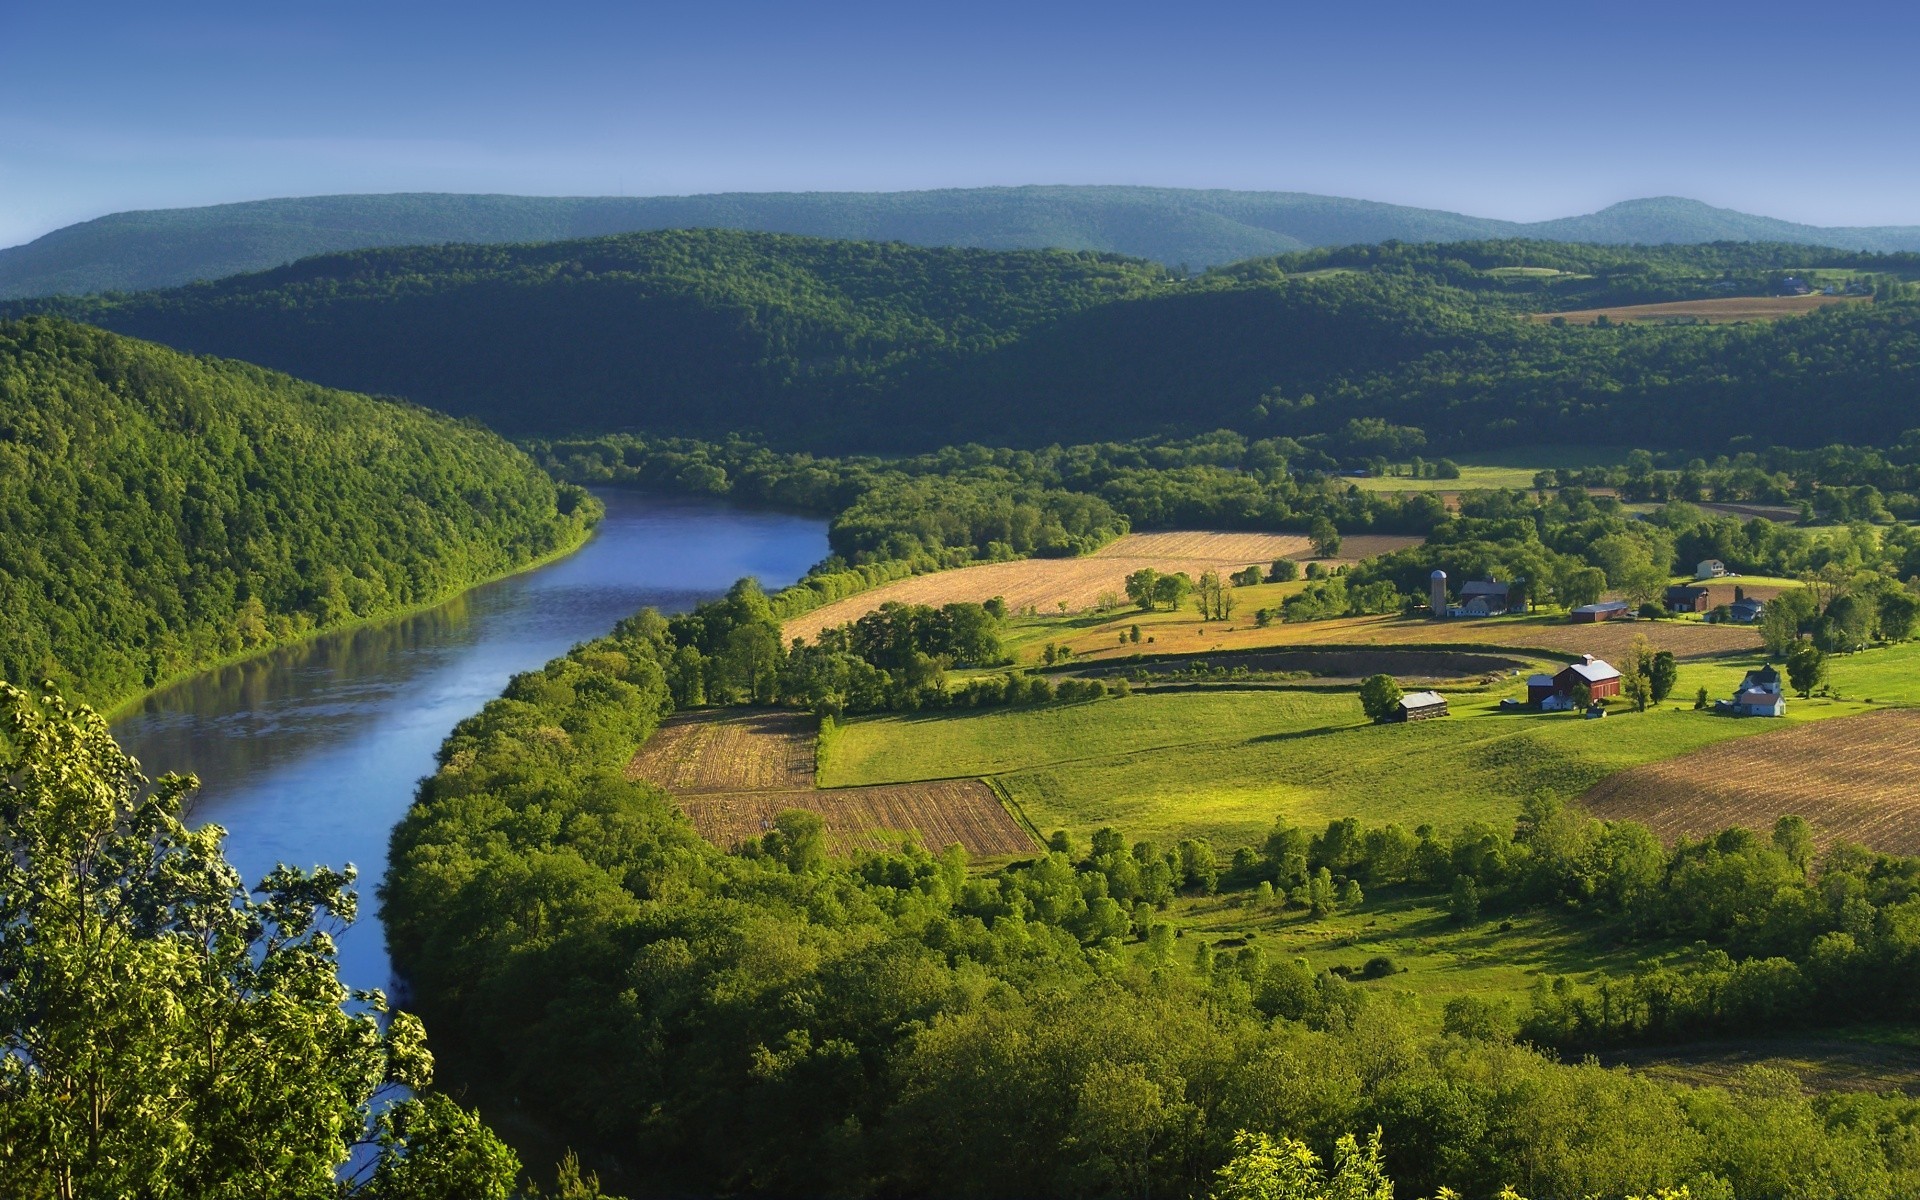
167,247
843,345
160,512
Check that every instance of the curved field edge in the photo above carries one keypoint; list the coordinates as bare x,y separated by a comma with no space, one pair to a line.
1080,582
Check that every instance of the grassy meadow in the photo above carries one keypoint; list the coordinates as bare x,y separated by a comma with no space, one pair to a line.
1224,763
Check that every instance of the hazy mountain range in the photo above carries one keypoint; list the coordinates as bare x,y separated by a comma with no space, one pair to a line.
165,247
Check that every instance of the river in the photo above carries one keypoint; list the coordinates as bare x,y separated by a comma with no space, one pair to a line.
310,754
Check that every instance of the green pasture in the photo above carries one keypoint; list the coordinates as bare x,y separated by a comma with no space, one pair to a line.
1511,468
1224,763
1435,958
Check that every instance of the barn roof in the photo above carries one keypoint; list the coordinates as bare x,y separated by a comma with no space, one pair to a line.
1594,670
1421,700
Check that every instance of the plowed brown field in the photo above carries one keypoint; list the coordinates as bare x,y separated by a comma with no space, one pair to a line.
1045,583
1855,779
733,772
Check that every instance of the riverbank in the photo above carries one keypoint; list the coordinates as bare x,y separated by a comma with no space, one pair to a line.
127,705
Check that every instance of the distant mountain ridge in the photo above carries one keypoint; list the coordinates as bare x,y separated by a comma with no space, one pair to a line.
1199,228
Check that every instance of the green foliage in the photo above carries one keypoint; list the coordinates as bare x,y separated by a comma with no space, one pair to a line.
894,1024
166,1031
159,513
848,344
1378,696
1263,1169
1806,668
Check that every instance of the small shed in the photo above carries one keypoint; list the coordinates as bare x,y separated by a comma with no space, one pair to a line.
1539,687
1710,568
1606,610
1419,706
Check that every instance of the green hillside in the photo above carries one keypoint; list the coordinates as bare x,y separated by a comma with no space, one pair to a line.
159,513
848,345
165,247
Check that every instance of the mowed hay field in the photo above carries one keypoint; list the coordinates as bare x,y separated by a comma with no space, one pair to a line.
1080,583
1224,763
1855,779
734,771
1714,312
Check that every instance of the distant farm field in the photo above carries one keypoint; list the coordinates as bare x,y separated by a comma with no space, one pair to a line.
734,771
1185,634
1713,312
1225,763
1856,779
1080,583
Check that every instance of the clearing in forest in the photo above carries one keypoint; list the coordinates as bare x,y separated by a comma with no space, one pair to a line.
1855,779
734,771
1712,312
1080,583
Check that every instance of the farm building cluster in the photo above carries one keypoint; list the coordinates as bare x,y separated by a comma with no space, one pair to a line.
1491,597
1478,597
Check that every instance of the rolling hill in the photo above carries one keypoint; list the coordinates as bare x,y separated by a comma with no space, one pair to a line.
1200,228
842,346
160,513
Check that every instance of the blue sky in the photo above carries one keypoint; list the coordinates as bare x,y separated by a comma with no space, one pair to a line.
1522,111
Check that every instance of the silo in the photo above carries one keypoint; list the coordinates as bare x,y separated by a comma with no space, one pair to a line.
1438,583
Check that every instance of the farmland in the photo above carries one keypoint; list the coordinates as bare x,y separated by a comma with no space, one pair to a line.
1184,633
1078,584
1510,469
734,771
1224,763
1856,779
1712,312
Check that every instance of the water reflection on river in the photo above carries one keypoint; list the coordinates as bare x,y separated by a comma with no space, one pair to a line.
310,754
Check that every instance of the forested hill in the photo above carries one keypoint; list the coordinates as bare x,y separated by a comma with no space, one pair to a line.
165,247
845,345
160,512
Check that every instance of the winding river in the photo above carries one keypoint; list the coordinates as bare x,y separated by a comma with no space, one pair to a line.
309,755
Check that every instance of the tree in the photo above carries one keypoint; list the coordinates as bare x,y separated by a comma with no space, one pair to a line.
1662,673
1784,617
1899,613
1583,586
1324,536
1636,687
1172,590
1463,902
1793,837
1283,570
167,1032
1141,587
1378,695
1806,668
1263,1169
